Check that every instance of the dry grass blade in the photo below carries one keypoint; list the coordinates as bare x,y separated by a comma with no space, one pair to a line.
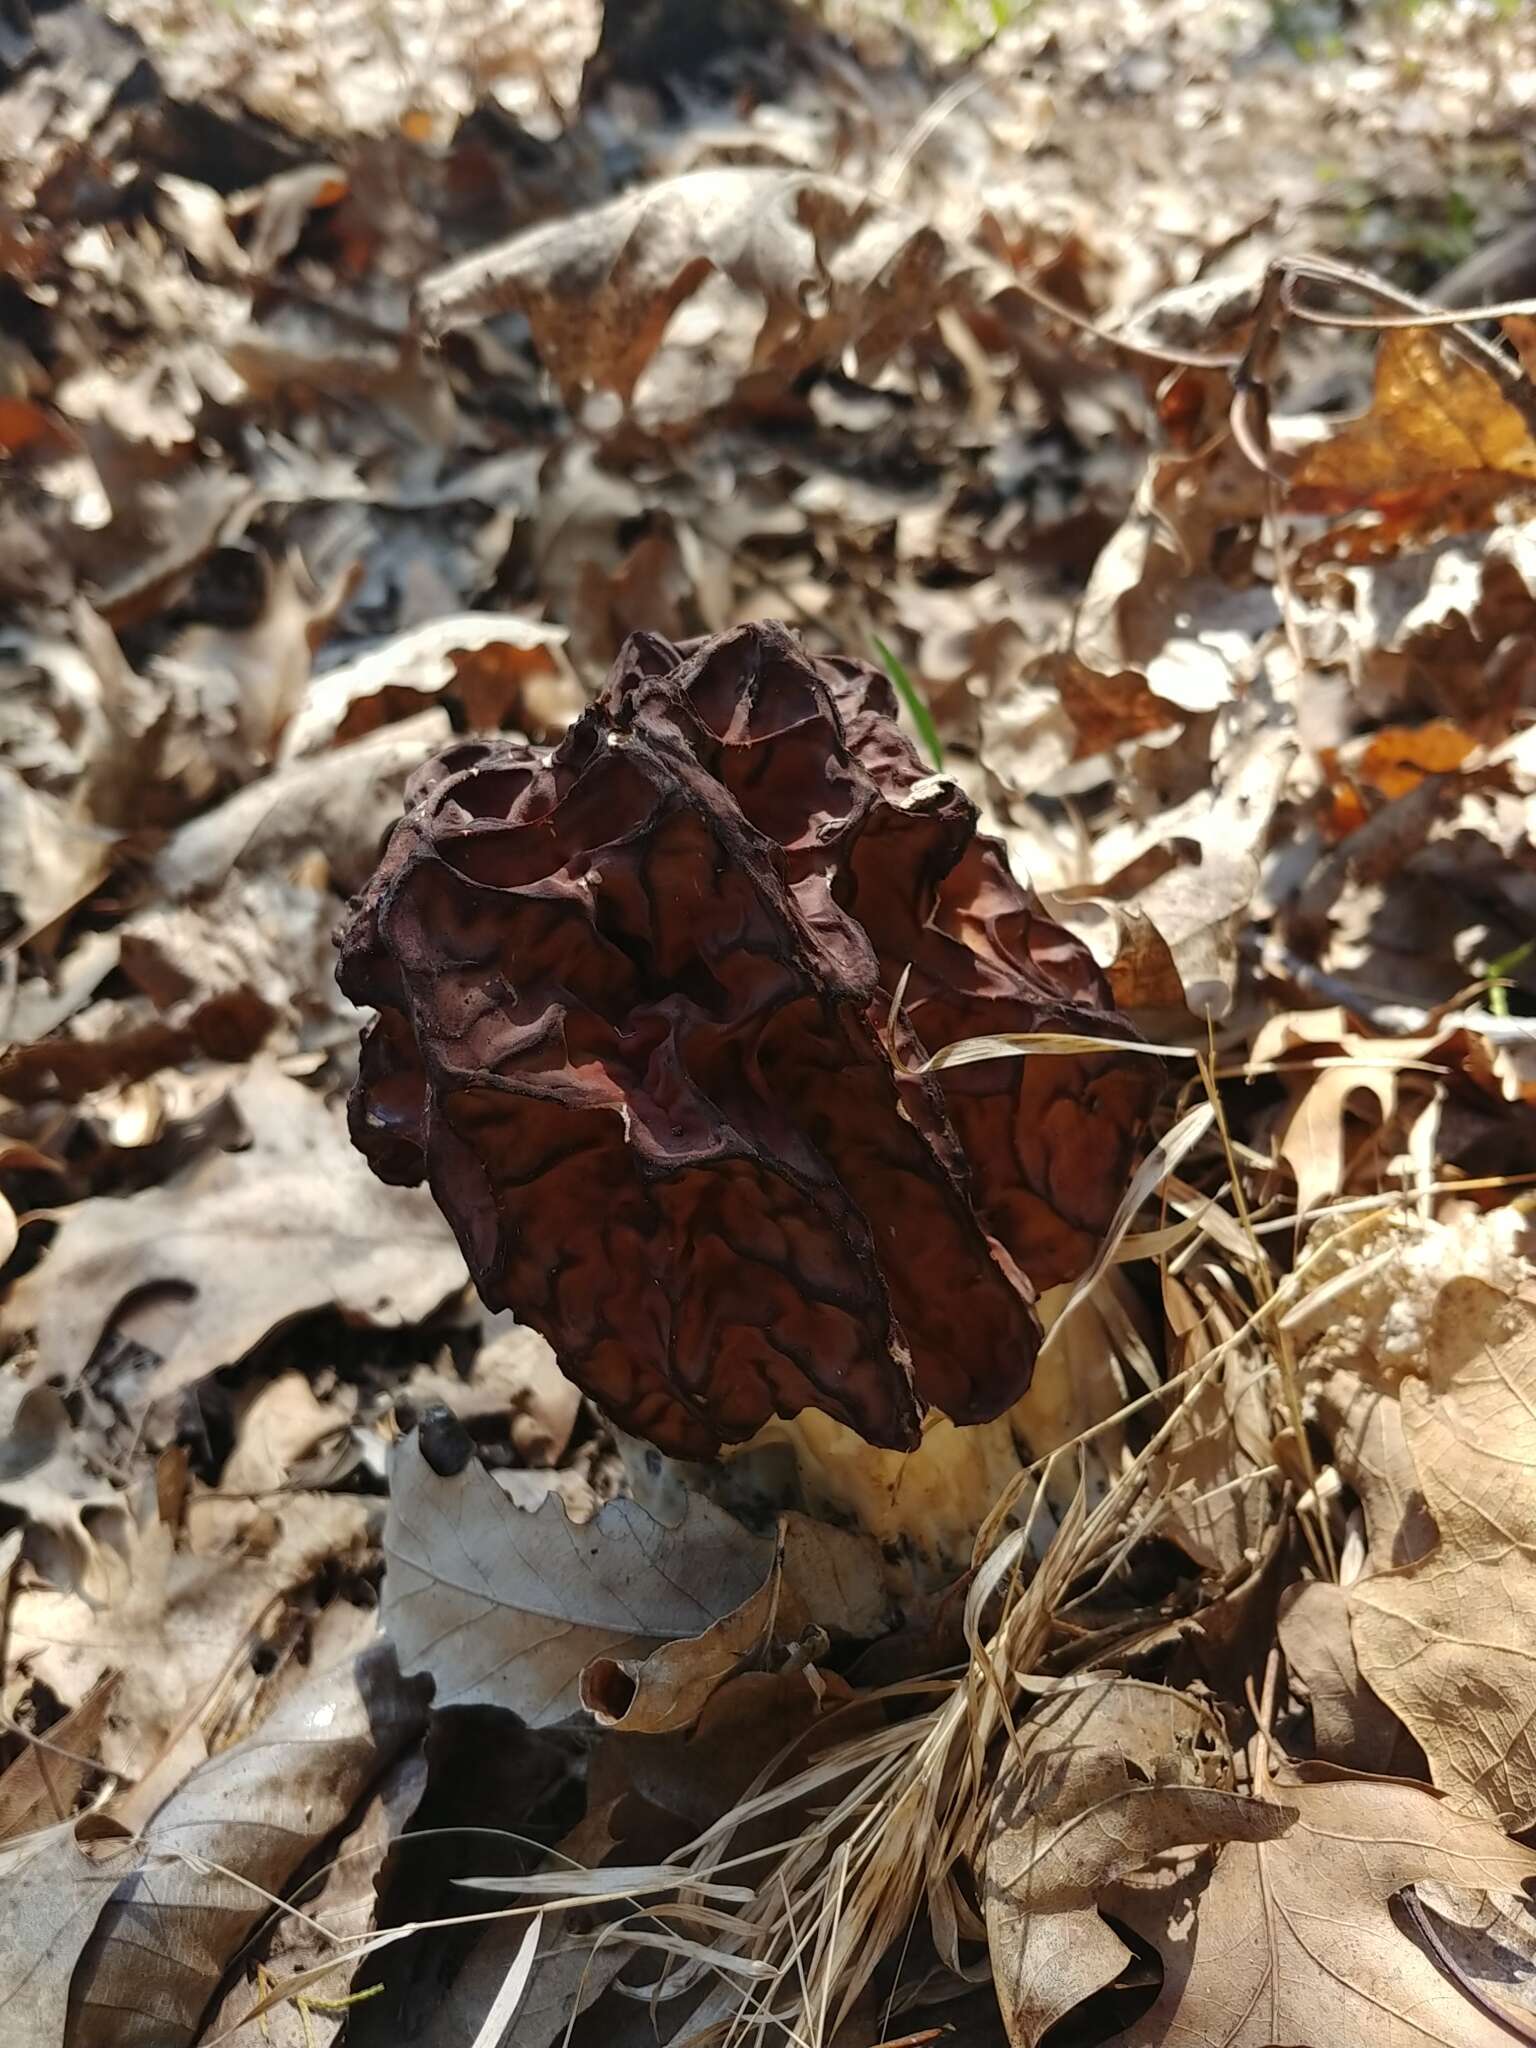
912,1800
510,1996
1017,1044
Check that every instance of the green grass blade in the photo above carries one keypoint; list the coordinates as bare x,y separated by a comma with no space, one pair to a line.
912,697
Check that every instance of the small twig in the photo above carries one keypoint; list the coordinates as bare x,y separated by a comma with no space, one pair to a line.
1463,334
1264,1723
923,130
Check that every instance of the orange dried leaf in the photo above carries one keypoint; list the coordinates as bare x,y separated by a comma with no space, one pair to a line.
1342,811
1400,756
1440,444
1522,333
22,425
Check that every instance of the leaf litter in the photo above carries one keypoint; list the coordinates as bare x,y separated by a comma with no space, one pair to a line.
366,382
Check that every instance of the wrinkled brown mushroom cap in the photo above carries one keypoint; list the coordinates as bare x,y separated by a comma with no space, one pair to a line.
636,1030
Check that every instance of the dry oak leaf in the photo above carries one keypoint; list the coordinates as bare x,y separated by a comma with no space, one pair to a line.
50,859
224,1842
47,1779
1325,1061
504,669
1449,1641
633,1618
1439,448
1101,1781
1293,1940
177,1633
1363,1424
1351,1727
831,265
296,1222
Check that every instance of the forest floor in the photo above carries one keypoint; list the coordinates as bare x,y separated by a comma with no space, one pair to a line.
367,375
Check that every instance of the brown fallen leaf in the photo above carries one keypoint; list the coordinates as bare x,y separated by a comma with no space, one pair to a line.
237,686
252,1238
1178,887
819,1577
503,670
1449,1642
638,1620
599,290
190,1634
1102,1781
1439,449
111,1044
1398,757
1293,1939
1216,1498
50,859
1325,1061
41,1787
227,1839
1351,1726
1363,1424
286,1428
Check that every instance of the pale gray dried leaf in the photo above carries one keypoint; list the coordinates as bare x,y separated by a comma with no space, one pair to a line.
638,1619
343,1902
340,804
42,1005
52,1894
255,1813
505,1608
78,1524
293,1223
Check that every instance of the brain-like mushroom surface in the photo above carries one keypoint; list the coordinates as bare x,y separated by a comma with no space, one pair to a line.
638,1027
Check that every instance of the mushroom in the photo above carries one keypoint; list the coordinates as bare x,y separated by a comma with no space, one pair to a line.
653,1010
